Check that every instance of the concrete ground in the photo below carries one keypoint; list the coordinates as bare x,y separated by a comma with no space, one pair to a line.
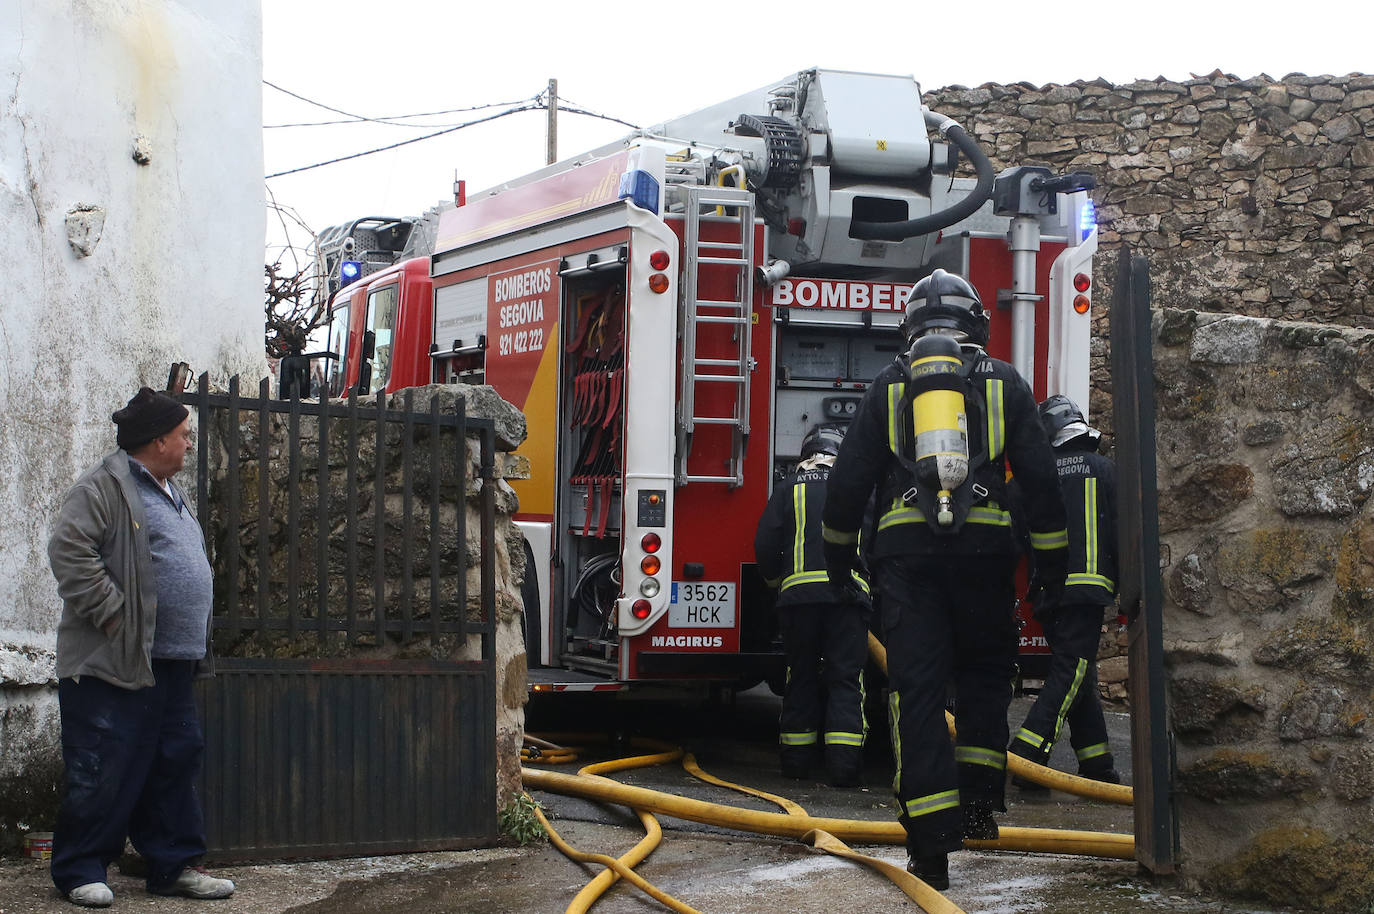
712,869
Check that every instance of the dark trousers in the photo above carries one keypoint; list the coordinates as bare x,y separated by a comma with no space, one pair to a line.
826,646
133,758
1070,692
947,619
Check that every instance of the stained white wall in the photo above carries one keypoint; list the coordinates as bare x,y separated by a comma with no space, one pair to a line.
170,265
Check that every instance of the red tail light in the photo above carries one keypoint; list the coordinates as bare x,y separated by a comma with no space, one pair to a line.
640,609
1082,282
650,542
658,260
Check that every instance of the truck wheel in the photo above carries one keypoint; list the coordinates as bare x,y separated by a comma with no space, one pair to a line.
529,597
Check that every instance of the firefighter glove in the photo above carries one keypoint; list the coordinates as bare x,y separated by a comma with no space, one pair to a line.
841,562
1047,579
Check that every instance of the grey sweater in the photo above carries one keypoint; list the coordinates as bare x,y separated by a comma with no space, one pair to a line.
104,569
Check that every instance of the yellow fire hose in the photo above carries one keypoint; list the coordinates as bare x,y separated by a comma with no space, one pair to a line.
1121,794
858,831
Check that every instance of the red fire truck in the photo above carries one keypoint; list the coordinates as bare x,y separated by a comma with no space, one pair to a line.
674,311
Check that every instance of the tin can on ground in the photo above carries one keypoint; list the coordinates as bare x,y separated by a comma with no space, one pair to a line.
38,845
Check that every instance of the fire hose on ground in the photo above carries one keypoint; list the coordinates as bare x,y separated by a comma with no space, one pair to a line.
823,833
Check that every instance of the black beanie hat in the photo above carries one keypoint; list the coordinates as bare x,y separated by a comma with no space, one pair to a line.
147,416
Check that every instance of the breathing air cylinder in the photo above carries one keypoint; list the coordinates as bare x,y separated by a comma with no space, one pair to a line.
939,420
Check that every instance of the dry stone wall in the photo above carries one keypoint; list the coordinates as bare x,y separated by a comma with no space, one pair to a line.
1266,465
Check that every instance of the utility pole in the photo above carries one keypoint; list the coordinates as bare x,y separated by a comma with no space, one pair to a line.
552,130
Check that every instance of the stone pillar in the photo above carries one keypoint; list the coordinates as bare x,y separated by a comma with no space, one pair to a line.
1266,462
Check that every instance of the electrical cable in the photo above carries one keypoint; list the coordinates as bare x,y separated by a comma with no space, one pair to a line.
428,136
390,119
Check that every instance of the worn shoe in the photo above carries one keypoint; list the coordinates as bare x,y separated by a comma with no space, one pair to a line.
92,895
933,871
194,882
979,825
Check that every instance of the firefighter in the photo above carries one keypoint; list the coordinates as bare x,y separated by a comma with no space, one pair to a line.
824,632
1073,621
944,557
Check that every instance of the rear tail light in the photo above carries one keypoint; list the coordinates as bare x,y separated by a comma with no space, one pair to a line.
658,260
650,542
1081,304
658,282
1082,282
640,609
650,564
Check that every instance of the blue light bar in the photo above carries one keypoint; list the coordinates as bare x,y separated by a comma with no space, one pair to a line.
349,271
642,189
1087,220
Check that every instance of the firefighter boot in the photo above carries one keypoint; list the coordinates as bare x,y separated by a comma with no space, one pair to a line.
978,825
1102,769
795,761
932,870
843,766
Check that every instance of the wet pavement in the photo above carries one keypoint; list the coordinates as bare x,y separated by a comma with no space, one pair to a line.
712,869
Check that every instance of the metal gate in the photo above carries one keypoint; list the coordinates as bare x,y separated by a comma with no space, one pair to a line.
321,740
1140,593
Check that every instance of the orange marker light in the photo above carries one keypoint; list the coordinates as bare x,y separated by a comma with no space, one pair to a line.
650,564
1081,304
658,283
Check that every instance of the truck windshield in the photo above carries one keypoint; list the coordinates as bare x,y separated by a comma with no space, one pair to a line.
381,320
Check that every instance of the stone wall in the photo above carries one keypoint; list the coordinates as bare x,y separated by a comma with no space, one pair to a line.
1266,464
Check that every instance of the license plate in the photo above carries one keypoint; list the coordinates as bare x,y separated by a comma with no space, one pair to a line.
702,604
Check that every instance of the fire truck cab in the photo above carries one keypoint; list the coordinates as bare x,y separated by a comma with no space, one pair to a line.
674,311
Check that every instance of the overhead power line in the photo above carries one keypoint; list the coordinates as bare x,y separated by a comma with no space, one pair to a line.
428,136
388,120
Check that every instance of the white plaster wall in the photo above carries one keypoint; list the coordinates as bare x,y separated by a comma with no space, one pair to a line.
175,276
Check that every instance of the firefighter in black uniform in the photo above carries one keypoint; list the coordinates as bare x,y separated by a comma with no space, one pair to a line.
825,634
944,557
1073,621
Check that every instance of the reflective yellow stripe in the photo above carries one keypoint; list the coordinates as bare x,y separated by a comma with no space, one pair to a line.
1055,539
1090,525
798,739
1030,737
997,429
1078,672
799,528
992,516
818,577
975,755
841,738
932,802
1095,580
895,392
1088,752
842,537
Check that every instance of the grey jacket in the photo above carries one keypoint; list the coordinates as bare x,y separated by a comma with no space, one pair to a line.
99,554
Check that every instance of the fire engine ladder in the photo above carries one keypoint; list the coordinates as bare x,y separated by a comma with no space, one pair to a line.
720,204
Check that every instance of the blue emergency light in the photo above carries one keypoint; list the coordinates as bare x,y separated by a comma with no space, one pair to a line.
1087,220
350,271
